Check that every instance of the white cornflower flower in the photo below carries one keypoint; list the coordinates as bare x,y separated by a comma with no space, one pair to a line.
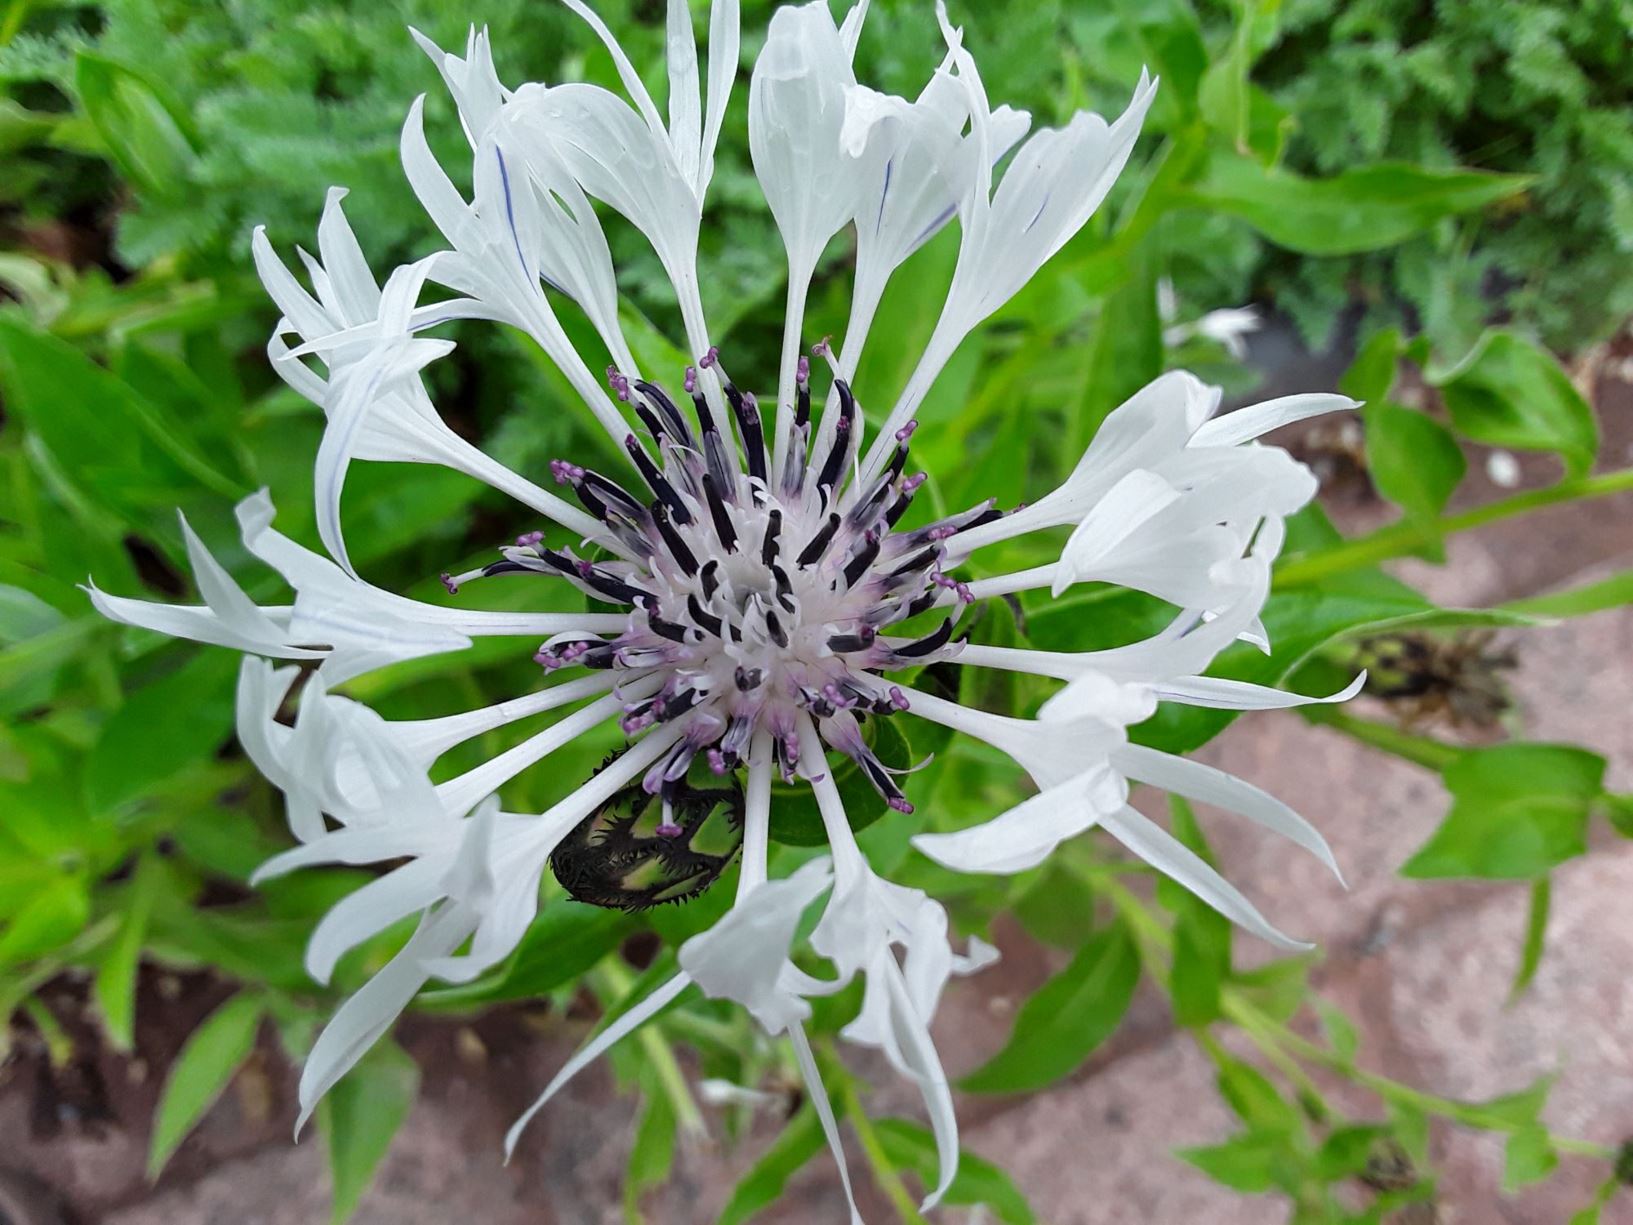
766,572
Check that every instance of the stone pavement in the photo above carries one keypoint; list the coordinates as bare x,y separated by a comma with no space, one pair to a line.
1420,967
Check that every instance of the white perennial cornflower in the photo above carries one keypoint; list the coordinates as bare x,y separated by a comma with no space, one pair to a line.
774,593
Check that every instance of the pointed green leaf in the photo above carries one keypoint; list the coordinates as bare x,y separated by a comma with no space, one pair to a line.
360,1116
201,1072
1065,1019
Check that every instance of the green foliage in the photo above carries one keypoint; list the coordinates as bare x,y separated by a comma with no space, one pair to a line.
1065,1019
214,1052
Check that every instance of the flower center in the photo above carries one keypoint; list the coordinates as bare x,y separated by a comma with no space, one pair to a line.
756,597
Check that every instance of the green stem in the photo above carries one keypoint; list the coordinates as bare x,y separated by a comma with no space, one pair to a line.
884,1173
1420,750
688,1117
1259,1026
1400,539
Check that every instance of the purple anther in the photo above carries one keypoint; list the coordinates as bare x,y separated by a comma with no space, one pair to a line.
585,570
899,803
717,761
964,593
529,539
898,699
906,432
691,379
820,349
945,581
802,371
840,700
911,484
448,582
668,829
565,471
547,659
709,358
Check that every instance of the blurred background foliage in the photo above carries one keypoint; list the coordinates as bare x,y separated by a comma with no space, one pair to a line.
1440,192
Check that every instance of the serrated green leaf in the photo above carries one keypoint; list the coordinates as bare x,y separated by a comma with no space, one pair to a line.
1366,208
1065,1019
1509,393
206,1063
359,1118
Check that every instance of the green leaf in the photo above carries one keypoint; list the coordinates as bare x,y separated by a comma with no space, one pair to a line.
795,818
1202,936
1372,374
911,1147
1346,1150
112,440
1252,1162
58,911
147,133
1066,1018
360,1116
1536,934
1529,1157
1126,351
652,1155
1517,811
1414,460
201,1072
1366,208
144,743
1256,1101
116,975
563,942
1612,592
1338,1030
800,1140
1509,393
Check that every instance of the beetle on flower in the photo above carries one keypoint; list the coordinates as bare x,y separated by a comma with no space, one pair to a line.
775,589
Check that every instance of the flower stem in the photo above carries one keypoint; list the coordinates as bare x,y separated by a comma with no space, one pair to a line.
1400,539
1421,750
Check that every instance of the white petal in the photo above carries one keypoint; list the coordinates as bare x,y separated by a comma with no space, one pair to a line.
365,1017
1020,838
602,1042
825,1112
741,957
1172,857
1256,419
354,286
369,910
1210,785
1223,694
